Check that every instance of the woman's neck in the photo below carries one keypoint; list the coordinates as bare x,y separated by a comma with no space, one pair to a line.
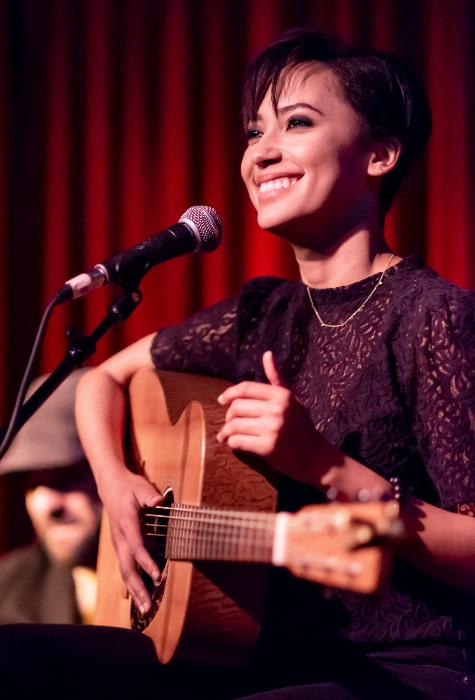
352,260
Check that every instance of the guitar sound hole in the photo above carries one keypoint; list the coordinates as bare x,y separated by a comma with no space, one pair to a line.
154,531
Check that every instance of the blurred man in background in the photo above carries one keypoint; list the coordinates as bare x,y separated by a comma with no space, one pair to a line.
52,579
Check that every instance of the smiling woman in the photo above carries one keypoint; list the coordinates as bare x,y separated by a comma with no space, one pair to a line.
358,376
360,372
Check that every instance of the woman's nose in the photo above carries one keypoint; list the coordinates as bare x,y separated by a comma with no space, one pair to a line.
266,151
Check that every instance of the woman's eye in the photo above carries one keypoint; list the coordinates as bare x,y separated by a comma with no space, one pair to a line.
252,134
294,122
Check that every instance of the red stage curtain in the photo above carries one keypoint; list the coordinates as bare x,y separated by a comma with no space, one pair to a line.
118,115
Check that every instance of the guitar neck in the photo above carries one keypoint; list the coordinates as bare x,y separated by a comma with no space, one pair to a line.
193,533
334,544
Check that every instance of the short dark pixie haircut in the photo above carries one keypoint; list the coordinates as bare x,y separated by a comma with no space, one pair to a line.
381,89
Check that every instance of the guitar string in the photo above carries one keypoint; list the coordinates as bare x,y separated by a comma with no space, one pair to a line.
254,542
241,547
250,530
258,525
210,522
210,518
208,515
251,543
202,510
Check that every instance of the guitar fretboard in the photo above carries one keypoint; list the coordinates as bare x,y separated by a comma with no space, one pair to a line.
193,533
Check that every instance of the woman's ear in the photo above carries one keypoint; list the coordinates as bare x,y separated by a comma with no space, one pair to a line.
384,157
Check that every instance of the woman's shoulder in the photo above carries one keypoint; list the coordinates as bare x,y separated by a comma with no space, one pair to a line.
413,279
423,299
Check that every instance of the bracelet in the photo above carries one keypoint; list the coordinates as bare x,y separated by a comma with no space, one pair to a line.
396,489
395,493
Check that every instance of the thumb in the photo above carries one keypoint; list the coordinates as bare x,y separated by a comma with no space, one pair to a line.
271,371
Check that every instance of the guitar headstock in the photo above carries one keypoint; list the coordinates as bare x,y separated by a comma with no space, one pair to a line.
340,545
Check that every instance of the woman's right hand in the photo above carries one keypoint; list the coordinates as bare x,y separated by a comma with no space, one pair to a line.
123,498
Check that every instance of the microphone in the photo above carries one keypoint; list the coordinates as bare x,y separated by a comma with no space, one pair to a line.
199,229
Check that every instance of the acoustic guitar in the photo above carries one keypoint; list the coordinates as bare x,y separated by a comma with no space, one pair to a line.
217,533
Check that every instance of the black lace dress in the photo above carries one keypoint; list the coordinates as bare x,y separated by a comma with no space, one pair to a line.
393,388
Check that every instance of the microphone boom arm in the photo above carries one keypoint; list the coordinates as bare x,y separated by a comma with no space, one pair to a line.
81,348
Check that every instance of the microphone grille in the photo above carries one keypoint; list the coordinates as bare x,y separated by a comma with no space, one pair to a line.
206,225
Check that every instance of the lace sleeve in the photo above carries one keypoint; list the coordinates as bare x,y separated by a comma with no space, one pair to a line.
205,343
213,340
442,394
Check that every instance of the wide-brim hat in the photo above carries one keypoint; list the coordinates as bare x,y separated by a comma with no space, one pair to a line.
49,439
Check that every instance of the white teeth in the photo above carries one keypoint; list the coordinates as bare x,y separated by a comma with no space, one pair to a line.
280,183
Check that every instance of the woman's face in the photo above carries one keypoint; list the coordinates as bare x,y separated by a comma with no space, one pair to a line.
306,166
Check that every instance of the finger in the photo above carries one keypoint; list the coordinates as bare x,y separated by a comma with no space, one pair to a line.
136,587
239,426
250,443
270,369
130,563
244,390
155,499
245,408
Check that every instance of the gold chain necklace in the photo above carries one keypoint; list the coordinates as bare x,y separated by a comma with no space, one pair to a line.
360,307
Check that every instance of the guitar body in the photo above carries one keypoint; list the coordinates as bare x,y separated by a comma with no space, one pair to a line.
209,611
